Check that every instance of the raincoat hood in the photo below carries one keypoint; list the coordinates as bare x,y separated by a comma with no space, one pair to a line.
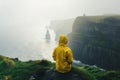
63,40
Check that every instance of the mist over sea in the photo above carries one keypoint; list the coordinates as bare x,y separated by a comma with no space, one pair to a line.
27,43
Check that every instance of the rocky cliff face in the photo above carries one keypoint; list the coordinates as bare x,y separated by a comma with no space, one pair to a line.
62,26
95,40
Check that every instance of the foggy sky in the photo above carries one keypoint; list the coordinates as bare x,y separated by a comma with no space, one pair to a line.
40,12
20,20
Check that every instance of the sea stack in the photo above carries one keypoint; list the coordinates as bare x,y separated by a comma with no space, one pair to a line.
47,35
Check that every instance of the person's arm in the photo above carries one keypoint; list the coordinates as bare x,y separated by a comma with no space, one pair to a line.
70,56
54,54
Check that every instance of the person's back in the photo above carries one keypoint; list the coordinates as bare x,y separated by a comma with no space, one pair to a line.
63,55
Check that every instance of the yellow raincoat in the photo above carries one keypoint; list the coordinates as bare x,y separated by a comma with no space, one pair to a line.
63,55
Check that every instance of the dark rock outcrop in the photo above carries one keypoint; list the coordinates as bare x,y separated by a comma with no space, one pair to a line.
51,74
95,41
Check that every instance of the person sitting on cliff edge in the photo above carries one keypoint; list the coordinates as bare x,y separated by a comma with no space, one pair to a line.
63,56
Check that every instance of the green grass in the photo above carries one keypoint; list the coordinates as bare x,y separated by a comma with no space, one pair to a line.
23,70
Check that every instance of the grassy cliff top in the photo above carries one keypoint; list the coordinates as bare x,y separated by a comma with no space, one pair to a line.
97,18
13,69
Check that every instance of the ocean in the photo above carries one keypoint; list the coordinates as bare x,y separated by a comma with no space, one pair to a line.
28,43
